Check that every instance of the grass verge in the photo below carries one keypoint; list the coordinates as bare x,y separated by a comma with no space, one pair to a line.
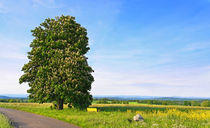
4,122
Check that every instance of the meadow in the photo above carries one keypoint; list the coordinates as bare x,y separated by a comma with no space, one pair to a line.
4,122
117,115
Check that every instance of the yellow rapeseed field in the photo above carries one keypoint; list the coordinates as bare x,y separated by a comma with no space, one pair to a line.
192,114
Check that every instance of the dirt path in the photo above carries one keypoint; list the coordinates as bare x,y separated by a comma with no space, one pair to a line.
22,119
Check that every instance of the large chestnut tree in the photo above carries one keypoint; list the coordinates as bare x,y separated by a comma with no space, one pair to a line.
58,70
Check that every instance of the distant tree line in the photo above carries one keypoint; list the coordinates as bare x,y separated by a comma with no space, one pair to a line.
109,101
160,102
203,103
15,100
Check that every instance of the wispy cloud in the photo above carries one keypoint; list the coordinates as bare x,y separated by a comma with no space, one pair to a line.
12,58
9,82
3,8
12,49
171,82
197,46
46,3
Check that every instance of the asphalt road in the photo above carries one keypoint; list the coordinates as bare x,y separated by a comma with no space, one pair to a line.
22,119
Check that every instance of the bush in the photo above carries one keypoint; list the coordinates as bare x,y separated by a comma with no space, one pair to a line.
205,103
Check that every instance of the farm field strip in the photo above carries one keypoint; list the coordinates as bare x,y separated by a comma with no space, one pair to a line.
149,105
198,117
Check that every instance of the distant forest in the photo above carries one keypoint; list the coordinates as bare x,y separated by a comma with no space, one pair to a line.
203,103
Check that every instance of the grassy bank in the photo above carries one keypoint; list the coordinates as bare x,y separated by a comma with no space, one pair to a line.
4,123
116,116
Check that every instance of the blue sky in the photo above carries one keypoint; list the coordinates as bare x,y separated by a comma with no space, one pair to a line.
138,47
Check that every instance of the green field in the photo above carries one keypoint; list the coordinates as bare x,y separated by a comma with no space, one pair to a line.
117,116
4,123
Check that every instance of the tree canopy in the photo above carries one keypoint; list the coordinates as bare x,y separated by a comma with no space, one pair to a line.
58,69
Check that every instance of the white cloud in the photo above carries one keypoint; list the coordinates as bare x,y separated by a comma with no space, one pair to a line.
115,55
46,3
173,82
12,58
9,82
12,49
197,46
3,8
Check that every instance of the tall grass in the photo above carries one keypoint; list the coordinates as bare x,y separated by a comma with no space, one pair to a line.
115,116
4,123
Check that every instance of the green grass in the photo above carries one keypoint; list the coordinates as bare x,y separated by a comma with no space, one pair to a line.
133,102
4,123
115,116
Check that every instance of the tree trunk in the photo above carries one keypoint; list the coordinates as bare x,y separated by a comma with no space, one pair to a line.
60,104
